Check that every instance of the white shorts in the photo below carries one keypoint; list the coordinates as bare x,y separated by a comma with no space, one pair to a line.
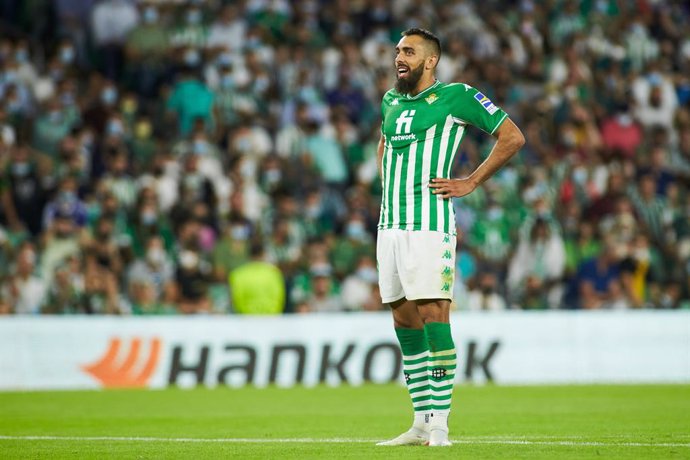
415,264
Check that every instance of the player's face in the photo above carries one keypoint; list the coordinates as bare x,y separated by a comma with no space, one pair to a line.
410,59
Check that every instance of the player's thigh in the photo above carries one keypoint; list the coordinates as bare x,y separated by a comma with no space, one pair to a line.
389,279
427,265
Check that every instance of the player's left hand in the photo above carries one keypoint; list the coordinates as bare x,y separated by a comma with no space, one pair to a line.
451,188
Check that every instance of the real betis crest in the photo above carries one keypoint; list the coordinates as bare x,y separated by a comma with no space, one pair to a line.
431,98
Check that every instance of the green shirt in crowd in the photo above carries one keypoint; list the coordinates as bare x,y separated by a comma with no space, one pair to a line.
257,288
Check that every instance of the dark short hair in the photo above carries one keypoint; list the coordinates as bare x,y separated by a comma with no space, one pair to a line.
426,35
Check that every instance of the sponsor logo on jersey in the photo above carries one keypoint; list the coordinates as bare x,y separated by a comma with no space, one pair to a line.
404,122
404,137
395,102
431,98
486,103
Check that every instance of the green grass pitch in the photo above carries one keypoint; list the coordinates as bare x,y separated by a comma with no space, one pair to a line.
603,422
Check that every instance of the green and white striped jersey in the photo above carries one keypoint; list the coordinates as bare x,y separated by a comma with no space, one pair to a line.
421,136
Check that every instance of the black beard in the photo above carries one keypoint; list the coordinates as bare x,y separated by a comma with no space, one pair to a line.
406,84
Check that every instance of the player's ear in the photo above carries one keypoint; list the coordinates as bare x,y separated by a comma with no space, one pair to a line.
431,61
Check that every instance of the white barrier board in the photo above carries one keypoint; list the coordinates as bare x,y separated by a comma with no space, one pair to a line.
508,348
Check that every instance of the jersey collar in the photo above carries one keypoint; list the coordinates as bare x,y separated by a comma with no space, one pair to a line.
421,93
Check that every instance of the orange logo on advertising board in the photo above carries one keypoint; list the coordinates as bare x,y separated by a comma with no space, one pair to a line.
130,372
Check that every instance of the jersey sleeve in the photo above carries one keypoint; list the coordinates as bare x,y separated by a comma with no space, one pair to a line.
472,107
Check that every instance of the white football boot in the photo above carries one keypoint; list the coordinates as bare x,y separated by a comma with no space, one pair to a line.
412,437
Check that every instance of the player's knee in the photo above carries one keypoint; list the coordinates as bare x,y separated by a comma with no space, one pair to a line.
434,311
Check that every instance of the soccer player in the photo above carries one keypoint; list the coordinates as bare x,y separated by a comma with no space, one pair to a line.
423,124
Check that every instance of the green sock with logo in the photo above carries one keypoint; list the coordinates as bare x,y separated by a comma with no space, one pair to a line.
441,368
415,353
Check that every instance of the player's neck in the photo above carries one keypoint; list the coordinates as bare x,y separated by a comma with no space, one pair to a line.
423,84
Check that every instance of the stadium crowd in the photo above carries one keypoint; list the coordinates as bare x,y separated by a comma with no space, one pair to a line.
162,157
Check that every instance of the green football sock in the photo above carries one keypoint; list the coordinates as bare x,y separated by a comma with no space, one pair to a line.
441,366
415,352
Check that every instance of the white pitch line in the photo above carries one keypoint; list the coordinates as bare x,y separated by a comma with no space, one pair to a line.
467,440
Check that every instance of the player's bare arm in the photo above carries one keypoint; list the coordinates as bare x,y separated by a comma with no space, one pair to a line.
379,156
509,141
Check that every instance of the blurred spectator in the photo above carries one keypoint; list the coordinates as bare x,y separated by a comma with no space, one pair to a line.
355,243
640,272
23,191
66,203
598,281
194,273
51,126
190,100
191,32
233,247
147,48
359,288
101,291
150,280
581,246
24,290
61,242
620,133
655,99
326,156
649,206
228,31
323,295
257,286
490,236
282,248
192,277
66,292
484,295
111,21
536,269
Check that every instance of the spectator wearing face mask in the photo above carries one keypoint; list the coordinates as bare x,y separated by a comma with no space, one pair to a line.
22,191
150,280
192,31
99,104
192,278
233,247
51,126
146,221
355,242
147,48
66,203
359,289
